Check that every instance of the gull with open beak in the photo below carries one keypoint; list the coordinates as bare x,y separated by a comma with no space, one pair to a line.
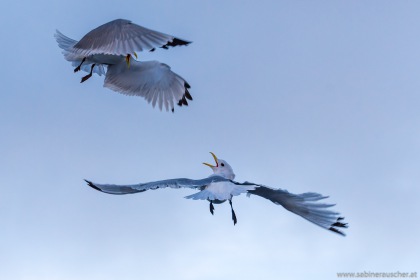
220,186
110,49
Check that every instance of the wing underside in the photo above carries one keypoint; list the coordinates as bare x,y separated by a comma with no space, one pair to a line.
171,183
152,80
306,205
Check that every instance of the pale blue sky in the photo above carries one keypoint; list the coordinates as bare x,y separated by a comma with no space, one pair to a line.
317,96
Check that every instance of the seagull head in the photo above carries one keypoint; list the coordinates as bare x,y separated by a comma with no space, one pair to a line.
222,168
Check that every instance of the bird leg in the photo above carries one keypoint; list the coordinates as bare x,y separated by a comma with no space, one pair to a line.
233,213
88,75
78,67
211,208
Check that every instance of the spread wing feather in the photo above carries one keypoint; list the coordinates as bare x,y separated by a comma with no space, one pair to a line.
306,205
171,183
152,80
122,37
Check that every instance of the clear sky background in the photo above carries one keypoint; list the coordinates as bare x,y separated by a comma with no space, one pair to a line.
317,96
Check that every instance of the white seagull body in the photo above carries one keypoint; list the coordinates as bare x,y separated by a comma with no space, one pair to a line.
220,186
109,50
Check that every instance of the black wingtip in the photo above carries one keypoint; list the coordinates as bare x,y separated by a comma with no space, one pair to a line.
337,231
90,184
183,101
211,208
176,42
340,225
188,95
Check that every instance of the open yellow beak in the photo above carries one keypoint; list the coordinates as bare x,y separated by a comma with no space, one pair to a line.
215,160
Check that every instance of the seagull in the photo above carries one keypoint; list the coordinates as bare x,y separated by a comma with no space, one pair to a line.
109,50
220,187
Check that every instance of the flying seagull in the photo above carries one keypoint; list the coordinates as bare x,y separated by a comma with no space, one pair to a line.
109,49
220,187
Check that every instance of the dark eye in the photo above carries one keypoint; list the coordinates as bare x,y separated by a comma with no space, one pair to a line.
222,164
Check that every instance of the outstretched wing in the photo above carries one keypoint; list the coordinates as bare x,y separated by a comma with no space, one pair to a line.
150,79
306,205
66,44
171,183
122,37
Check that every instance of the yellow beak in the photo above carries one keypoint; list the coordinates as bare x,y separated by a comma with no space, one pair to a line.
215,160
128,57
127,60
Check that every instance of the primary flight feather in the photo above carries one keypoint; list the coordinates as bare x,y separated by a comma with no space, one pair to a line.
109,50
220,187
